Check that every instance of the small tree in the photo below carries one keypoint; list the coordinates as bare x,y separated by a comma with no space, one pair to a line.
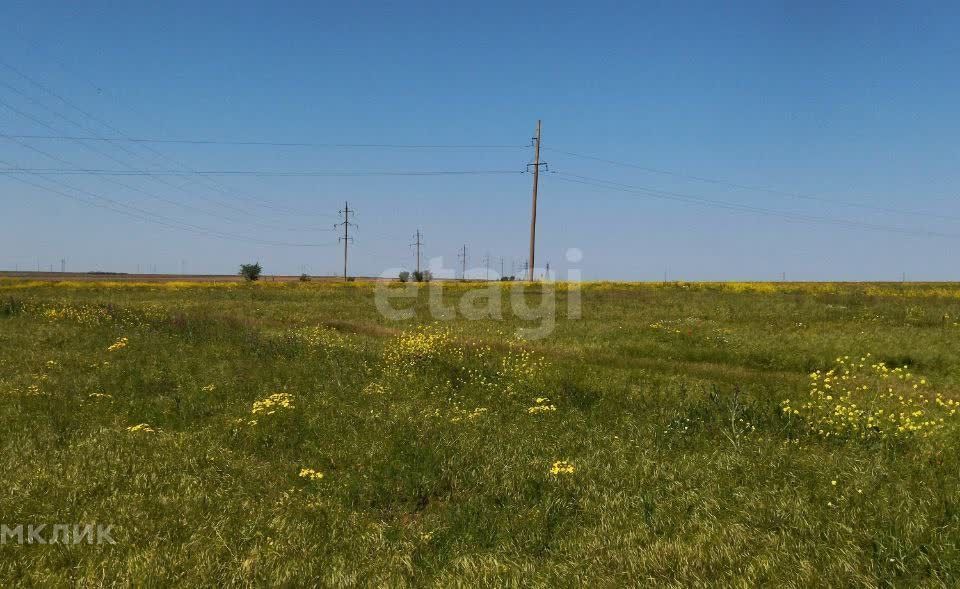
251,271
304,278
404,276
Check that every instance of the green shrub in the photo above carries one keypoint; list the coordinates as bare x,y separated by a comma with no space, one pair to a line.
422,276
251,271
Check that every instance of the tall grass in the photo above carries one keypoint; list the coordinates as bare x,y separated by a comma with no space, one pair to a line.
667,409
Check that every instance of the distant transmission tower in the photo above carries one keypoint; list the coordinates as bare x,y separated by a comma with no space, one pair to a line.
463,260
486,262
346,239
418,244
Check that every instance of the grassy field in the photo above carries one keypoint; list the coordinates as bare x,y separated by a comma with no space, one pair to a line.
678,434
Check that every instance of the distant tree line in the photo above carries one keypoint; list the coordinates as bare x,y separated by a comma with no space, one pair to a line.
416,276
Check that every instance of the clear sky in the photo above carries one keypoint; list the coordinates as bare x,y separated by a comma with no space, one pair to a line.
846,112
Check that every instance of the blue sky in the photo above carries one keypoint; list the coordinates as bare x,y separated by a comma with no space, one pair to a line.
852,103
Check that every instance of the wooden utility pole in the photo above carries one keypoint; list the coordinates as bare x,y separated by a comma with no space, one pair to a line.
533,216
346,233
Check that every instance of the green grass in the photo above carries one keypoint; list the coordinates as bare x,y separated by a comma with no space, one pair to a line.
435,473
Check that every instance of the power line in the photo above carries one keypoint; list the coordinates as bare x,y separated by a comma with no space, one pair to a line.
150,194
150,217
217,185
274,143
38,150
140,213
122,163
55,113
38,121
698,200
129,171
753,188
100,88
264,173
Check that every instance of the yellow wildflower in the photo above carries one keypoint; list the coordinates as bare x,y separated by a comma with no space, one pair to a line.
311,474
142,427
118,345
271,404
